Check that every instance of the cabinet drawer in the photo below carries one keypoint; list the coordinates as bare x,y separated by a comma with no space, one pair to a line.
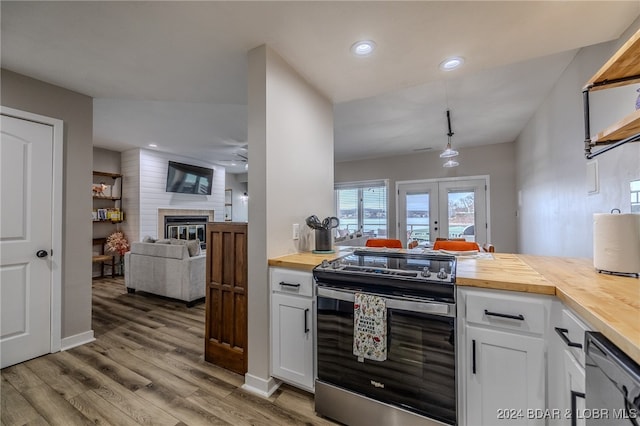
291,282
575,329
506,311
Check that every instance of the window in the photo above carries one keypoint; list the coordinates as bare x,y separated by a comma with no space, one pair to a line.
362,207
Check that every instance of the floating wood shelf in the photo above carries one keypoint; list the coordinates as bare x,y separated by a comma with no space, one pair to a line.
622,129
621,69
623,64
111,175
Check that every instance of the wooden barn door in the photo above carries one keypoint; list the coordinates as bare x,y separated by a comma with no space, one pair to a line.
226,298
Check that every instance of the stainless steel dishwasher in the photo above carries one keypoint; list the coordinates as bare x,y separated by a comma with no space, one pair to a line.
612,384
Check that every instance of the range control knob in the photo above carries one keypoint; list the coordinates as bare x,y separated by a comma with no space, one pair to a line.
325,263
425,272
442,274
335,264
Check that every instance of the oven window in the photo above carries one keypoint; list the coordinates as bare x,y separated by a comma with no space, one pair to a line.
419,373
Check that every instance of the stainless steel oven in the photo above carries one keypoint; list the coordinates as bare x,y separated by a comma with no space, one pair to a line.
416,383
612,384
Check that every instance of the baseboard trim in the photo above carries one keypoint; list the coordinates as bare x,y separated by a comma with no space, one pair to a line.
259,386
76,340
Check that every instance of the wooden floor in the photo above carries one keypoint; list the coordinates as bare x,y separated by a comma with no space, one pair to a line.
145,367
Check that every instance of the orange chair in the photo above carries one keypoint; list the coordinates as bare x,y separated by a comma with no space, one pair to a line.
383,242
456,245
489,248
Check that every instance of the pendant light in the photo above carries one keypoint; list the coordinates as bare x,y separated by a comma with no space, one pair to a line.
449,152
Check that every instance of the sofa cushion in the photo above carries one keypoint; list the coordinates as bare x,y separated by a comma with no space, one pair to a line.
160,250
193,246
148,239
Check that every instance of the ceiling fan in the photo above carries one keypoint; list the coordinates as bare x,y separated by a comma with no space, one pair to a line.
238,151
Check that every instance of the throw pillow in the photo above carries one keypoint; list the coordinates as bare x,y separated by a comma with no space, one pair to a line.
165,241
148,239
194,247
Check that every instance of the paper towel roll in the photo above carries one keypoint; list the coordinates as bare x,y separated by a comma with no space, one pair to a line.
616,242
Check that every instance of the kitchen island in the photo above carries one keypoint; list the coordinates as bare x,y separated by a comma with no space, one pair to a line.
611,304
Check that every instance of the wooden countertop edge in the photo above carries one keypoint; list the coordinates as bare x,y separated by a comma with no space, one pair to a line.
291,265
547,288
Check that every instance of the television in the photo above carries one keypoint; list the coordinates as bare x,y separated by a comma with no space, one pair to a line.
189,179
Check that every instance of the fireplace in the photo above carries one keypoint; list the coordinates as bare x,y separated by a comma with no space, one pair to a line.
186,228
185,224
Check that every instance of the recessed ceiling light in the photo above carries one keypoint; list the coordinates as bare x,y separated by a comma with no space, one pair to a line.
153,145
363,48
451,63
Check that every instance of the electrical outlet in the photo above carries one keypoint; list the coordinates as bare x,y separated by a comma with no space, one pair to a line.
296,231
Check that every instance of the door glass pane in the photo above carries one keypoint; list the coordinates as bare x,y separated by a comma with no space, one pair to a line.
461,206
418,217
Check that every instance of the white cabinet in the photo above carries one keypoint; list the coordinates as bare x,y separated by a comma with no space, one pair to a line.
292,320
566,367
502,358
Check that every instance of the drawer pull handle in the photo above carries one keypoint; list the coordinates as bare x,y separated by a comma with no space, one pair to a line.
561,332
574,405
289,284
518,317
473,359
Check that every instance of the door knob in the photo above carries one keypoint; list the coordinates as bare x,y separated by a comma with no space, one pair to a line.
42,253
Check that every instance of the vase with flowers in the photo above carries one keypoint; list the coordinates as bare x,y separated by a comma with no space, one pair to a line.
117,243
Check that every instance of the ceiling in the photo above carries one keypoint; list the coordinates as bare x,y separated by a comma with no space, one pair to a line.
174,73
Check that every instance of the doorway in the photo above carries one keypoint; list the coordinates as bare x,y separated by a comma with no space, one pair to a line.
31,187
446,208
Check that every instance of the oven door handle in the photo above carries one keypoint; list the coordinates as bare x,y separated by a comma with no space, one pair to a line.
411,305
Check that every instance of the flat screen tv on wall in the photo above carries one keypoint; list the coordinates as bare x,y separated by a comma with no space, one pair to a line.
189,179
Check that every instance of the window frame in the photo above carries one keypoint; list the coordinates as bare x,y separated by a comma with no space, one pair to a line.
361,186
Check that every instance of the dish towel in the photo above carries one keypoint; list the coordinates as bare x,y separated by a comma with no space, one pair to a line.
369,327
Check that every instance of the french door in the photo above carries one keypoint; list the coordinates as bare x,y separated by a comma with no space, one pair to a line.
453,208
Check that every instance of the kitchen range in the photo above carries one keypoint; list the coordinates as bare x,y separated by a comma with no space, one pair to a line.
385,338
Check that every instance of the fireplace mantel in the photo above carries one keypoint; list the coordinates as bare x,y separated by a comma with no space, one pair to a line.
179,212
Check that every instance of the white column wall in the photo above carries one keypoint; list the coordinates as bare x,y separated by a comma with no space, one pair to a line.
290,178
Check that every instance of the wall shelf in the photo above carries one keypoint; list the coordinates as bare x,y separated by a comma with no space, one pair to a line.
621,69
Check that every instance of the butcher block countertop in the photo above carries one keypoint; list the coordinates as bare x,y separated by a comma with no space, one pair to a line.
609,303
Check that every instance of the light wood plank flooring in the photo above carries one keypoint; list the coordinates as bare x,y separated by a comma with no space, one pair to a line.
146,367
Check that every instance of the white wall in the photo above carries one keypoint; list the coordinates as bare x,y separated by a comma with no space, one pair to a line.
497,161
290,177
145,176
556,213
240,206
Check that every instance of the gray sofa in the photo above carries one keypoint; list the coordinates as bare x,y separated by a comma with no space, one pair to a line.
166,270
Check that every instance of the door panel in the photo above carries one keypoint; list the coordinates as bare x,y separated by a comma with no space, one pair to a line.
226,296
417,212
26,170
463,211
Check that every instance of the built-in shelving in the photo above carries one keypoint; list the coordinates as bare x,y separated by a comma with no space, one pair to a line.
621,69
107,205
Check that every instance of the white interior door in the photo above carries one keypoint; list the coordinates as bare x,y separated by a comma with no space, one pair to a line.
454,208
26,185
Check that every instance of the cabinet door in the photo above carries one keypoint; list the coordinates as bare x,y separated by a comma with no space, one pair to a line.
505,380
574,387
292,339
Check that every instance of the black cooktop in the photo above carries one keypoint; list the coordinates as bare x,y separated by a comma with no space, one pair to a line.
387,271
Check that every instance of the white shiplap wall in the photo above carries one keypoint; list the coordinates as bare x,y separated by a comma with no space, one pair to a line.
147,174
